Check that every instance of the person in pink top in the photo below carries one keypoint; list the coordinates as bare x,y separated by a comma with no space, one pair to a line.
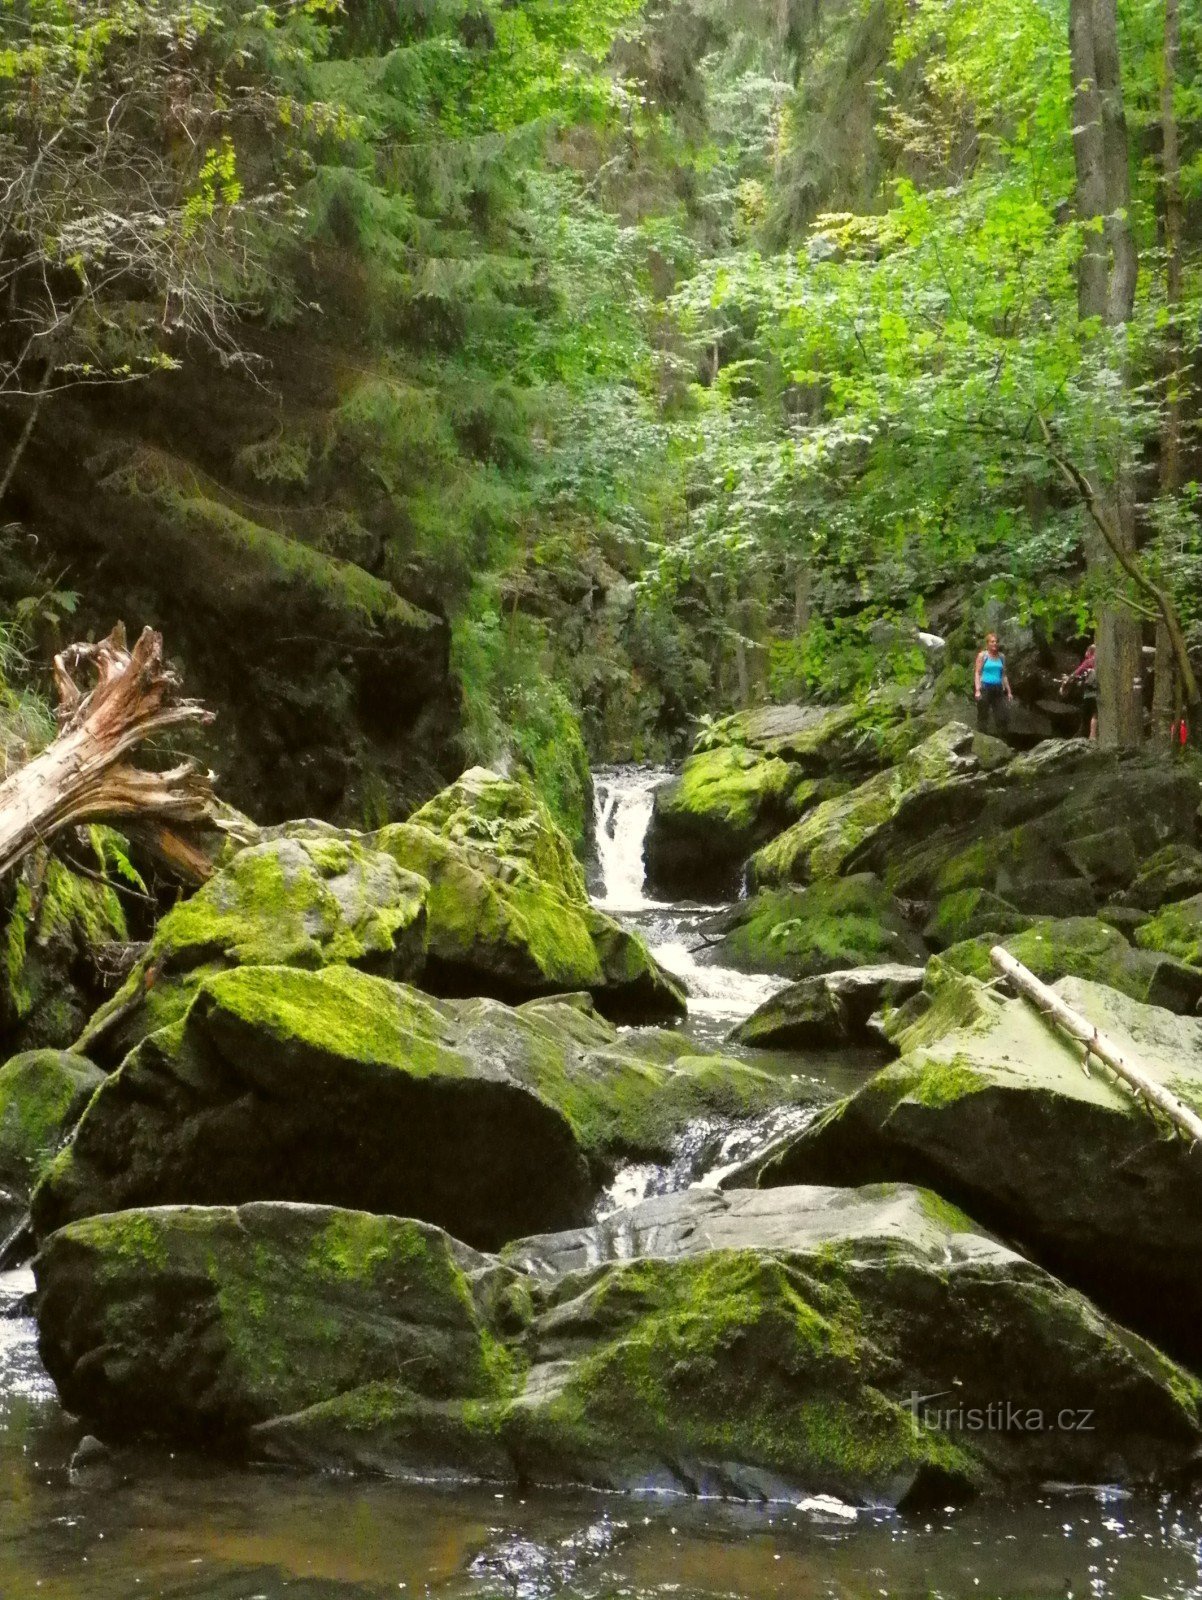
1084,678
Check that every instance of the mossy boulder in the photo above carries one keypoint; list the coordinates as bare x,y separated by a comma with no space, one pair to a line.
506,818
1086,947
751,1345
969,914
508,912
337,1087
992,1107
828,1011
1174,873
727,801
834,924
42,1096
1059,831
1176,930
311,896
934,776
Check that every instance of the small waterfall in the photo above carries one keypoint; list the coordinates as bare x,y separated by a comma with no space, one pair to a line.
676,932
623,800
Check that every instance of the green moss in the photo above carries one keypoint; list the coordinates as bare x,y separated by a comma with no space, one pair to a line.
846,922
733,1357
337,1013
42,1094
946,1215
1175,930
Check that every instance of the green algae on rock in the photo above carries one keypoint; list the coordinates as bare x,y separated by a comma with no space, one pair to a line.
337,1087
1086,947
1175,930
829,926
991,1107
42,1096
313,896
508,912
727,801
759,1345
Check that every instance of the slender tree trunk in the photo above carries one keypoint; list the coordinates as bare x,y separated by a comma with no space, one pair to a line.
1106,279
801,599
1165,694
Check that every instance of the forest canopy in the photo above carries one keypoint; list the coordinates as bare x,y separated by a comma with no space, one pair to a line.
675,354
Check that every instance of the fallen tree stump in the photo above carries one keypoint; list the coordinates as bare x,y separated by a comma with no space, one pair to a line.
84,774
1096,1043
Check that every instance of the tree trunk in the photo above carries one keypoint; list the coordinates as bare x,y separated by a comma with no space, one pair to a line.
83,774
1106,278
1153,1094
1165,693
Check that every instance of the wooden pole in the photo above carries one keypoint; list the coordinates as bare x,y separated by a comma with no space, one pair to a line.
1097,1044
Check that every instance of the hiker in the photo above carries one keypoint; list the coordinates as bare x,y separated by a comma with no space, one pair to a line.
1084,679
992,687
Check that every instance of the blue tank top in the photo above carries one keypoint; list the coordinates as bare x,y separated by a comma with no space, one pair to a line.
993,670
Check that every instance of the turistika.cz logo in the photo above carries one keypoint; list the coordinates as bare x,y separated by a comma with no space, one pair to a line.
998,1416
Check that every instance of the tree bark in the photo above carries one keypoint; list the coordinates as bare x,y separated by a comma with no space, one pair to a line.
1165,694
83,775
1099,1044
1106,277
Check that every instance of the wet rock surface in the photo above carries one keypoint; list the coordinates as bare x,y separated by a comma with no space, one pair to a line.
993,1108
754,1344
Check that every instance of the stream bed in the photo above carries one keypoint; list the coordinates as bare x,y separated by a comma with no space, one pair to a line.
156,1524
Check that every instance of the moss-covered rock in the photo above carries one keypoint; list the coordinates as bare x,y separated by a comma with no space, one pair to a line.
934,774
727,801
969,914
506,818
834,924
1056,831
828,1011
508,913
42,1096
335,1087
992,1108
750,1344
313,896
1174,873
1086,947
1176,930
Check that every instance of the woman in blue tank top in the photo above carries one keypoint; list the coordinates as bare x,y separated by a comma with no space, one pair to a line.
992,688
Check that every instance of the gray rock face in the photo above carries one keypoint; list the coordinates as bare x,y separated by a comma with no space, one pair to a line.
993,1109
752,1344
832,1009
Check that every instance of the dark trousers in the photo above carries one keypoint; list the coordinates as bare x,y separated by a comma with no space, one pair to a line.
991,709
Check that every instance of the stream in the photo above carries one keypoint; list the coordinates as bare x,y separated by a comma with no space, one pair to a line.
156,1524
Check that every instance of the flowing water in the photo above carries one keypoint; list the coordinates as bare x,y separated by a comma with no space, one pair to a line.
157,1526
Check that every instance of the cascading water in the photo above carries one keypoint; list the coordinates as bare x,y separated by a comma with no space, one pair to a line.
719,997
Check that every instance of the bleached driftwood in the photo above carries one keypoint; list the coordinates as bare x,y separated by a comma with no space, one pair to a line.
1098,1044
84,775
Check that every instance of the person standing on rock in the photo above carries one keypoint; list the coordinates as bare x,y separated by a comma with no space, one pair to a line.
992,688
1084,679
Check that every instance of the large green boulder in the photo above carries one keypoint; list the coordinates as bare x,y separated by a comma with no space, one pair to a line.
993,1107
508,912
1085,947
934,776
833,924
337,1087
42,1096
727,801
1056,831
1174,873
310,896
750,1345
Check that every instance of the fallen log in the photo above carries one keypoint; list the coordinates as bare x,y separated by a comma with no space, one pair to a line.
1098,1044
84,775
